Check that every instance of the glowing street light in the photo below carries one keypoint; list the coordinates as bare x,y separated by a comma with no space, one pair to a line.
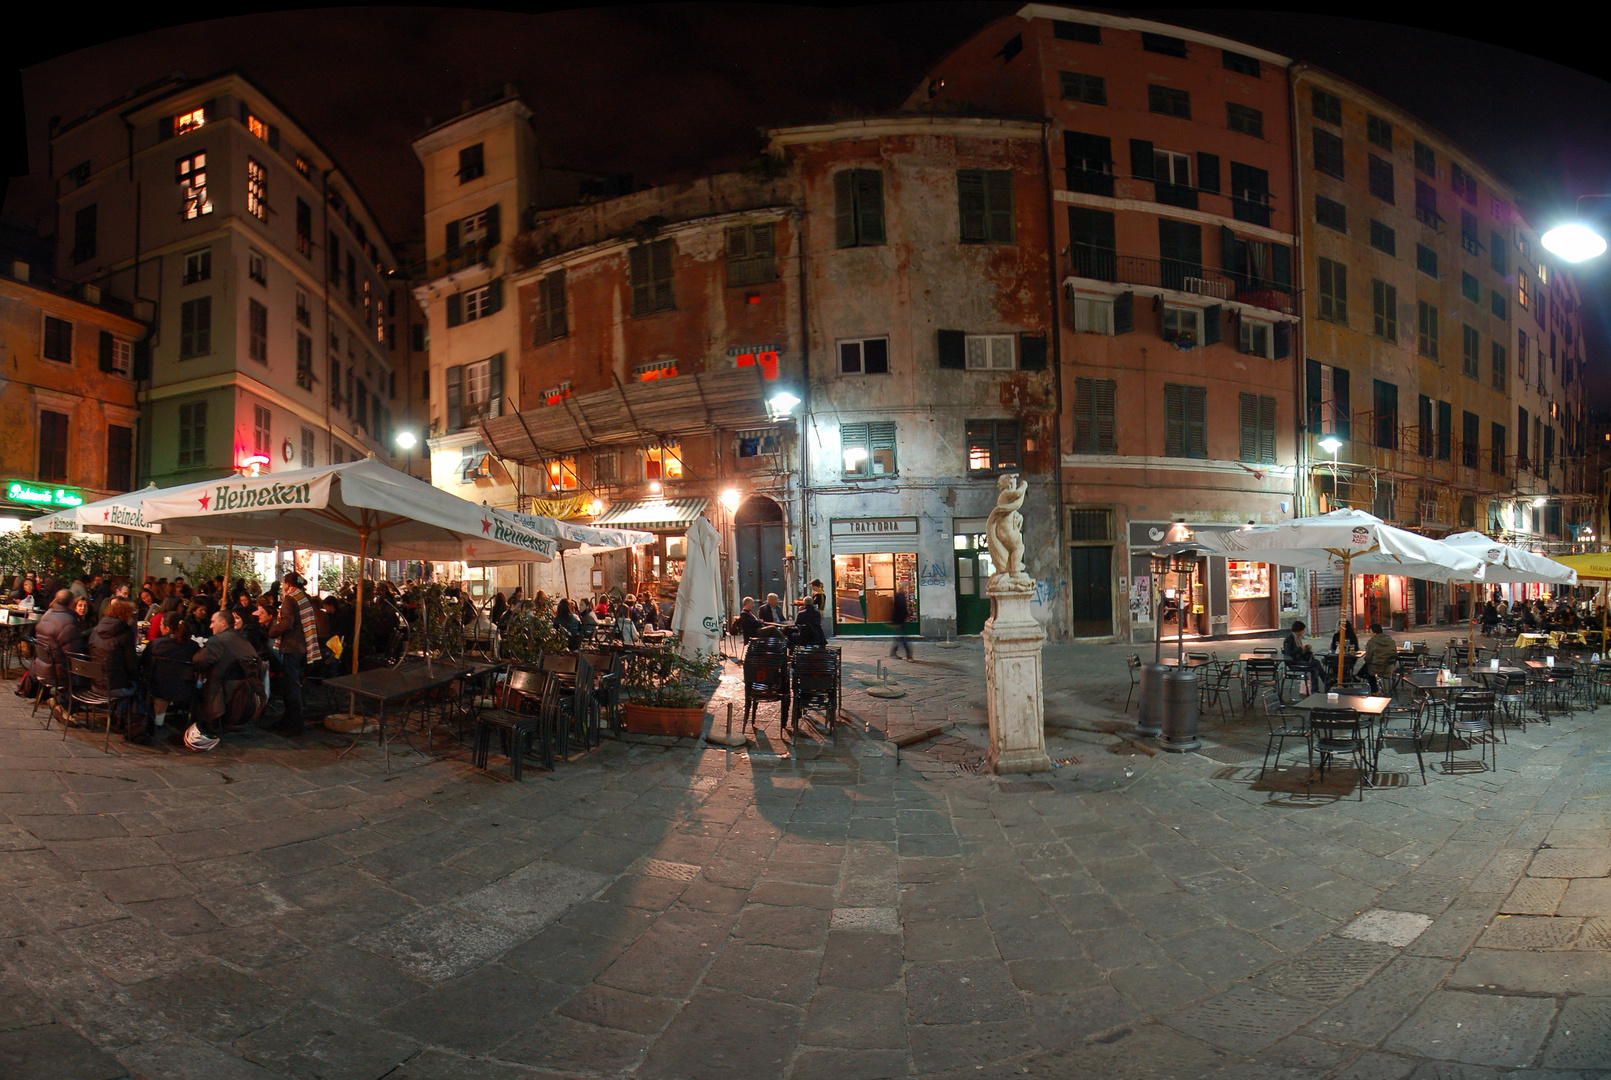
407,440
782,403
1575,241
730,499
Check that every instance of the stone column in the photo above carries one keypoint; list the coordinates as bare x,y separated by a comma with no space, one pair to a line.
1012,641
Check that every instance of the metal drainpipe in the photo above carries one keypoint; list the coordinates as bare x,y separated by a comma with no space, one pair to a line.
802,560
324,279
1056,334
1300,490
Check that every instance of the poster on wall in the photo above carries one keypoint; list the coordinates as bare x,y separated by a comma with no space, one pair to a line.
1289,590
1141,598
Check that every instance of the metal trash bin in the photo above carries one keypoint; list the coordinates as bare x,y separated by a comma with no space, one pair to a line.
1149,714
1180,712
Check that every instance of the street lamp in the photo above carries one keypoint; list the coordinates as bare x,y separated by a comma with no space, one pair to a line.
406,441
1575,241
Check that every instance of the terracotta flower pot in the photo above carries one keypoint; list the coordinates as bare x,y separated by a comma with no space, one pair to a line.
653,720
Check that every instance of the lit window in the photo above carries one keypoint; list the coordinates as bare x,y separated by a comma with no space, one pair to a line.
304,166
663,462
256,189
562,475
189,121
991,352
868,449
257,127
192,176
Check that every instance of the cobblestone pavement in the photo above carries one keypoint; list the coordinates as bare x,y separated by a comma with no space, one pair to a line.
808,908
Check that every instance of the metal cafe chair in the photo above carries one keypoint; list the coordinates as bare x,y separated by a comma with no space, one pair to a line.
1340,733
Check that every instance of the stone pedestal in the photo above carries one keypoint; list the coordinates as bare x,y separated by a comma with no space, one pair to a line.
1012,641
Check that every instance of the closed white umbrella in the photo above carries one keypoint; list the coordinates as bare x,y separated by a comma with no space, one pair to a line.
1506,564
1351,541
698,615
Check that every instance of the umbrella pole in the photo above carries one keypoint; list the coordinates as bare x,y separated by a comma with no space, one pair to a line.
1344,610
358,615
229,560
1471,637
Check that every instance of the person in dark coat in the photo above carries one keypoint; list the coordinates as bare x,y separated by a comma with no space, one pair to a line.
297,639
57,628
808,623
111,645
217,663
900,617
772,610
84,612
566,622
1301,657
749,624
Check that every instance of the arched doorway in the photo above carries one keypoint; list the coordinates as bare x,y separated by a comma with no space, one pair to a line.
758,538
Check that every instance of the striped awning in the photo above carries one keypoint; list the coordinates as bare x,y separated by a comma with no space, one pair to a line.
655,515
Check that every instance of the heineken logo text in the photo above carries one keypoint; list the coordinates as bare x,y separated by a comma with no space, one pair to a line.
505,535
123,515
273,495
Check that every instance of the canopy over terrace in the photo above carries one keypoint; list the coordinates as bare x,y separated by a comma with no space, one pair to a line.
1506,564
691,404
1351,541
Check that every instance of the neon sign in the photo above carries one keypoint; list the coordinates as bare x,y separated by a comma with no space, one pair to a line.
21,491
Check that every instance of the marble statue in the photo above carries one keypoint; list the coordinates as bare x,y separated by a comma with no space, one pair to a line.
1004,530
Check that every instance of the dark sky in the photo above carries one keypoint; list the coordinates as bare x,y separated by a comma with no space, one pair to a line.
664,91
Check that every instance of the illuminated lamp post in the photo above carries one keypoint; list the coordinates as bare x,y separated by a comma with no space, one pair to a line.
1575,241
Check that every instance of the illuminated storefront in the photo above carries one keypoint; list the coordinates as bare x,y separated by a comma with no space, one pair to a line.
873,560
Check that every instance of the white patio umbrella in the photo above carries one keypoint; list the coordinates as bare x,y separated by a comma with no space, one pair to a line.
117,514
362,508
1351,541
698,615
1506,564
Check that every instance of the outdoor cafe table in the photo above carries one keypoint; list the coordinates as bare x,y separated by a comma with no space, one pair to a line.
1175,662
388,685
1367,706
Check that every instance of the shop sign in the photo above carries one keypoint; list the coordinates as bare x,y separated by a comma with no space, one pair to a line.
21,491
874,527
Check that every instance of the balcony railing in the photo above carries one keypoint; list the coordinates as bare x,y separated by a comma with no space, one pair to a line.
1102,264
451,261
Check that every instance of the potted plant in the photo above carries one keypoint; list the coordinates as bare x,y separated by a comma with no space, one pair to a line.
666,691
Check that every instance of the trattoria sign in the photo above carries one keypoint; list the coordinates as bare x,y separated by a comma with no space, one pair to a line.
43,495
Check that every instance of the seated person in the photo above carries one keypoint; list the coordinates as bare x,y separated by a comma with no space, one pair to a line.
111,644
1381,657
748,624
589,621
58,629
1301,657
218,664
772,610
567,623
808,623
175,643
169,682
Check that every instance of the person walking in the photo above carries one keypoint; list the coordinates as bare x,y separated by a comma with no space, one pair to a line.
900,617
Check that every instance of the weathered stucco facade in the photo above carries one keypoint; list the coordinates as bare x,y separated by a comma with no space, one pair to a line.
927,359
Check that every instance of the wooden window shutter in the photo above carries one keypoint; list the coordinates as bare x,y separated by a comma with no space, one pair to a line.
494,296
455,309
1196,421
660,275
1207,172
1267,429
1031,352
1281,265
493,231
1211,321
1174,420
1312,396
495,377
274,137
869,206
1124,316
738,242
1104,393
998,205
1140,159
638,267
187,329
452,239
881,436
142,360
971,205
1007,453
1283,341
1248,443
844,205
1084,415
106,351
953,349
455,397
980,435
244,112
761,246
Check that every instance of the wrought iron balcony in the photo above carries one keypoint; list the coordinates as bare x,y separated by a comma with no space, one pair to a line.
1102,264
451,261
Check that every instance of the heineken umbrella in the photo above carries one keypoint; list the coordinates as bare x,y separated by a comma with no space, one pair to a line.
699,606
125,507
1351,541
584,539
1506,564
362,508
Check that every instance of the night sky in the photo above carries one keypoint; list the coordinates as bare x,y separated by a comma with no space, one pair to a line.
669,91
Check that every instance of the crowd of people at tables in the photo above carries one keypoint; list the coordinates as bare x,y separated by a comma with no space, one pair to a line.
771,619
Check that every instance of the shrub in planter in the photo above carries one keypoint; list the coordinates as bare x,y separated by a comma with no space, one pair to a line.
666,692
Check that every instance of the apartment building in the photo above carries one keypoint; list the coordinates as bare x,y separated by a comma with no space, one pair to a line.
1170,174
67,403
1442,348
268,279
